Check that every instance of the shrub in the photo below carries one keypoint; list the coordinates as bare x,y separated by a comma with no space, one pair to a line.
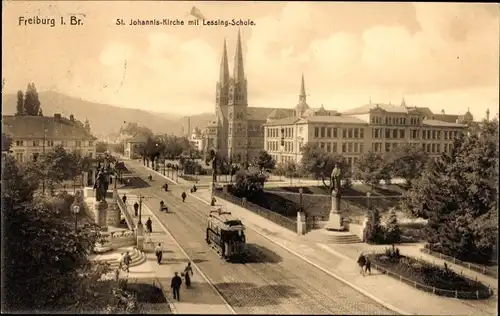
374,232
248,183
392,230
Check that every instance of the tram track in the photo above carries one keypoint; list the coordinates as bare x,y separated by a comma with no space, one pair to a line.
273,281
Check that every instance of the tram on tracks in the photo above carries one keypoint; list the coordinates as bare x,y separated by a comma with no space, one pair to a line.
226,234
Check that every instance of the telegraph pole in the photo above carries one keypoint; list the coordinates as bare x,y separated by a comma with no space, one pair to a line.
43,151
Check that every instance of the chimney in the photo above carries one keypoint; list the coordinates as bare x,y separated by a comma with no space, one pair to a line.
442,112
57,116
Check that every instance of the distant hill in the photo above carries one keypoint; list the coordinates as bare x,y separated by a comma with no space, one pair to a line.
104,119
198,120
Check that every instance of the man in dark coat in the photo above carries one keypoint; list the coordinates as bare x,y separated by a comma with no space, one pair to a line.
136,208
183,195
176,285
124,199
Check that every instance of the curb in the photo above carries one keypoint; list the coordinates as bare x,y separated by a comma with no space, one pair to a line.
170,305
388,306
159,173
194,264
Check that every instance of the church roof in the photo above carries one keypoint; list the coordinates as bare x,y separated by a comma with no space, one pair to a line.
283,121
364,109
280,113
259,114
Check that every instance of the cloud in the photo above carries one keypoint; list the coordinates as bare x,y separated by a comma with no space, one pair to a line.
160,73
456,46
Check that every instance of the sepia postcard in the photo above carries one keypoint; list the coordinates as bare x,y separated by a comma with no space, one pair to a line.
250,157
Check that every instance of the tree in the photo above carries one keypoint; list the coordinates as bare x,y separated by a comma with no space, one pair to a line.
264,161
43,251
374,232
133,129
370,168
101,147
248,183
392,230
407,162
6,142
318,162
458,195
31,101
20,103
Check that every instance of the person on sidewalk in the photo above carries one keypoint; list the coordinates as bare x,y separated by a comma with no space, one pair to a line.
124,199
362,262
149,225
212,203
188,272
159,253
136,208
368,266
166,187
183,195
127,260
176,286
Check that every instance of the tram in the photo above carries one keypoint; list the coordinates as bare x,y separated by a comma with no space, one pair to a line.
226,234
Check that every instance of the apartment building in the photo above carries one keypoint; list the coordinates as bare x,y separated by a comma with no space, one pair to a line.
32,135
376,127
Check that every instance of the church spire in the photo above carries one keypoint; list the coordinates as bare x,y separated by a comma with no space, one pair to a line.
238,72
224,67
302,95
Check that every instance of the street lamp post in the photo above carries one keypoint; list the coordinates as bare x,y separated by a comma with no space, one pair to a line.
43,151
197,173
76,210
301,202
164,165
140,227
368,201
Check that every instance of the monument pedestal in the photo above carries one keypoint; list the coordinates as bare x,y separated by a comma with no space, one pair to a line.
335,222
301,223
113,216
101,209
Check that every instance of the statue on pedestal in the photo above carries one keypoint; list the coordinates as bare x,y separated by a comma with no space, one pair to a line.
101,185
335,179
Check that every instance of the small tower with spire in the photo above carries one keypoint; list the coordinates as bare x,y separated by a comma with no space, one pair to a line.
302,106
86,125
487,115
403,102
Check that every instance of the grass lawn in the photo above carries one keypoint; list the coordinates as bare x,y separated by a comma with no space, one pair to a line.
150,297
316,200
436,279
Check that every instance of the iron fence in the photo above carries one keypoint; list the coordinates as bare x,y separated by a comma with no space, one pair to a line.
488,271
276,218
467,295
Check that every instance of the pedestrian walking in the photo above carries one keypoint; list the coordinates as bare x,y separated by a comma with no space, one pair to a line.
212,203
183,195
159,252
127,260
149,225
124,199
362,262
188,272
136,208
368,266
176,286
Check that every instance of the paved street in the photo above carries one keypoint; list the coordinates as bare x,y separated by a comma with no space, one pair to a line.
340,261
201,298
274,281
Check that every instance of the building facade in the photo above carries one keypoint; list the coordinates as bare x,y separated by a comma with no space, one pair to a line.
196,139
33,135
238,132
132,145
371,127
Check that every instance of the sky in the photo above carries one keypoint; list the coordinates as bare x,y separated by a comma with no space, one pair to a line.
441,55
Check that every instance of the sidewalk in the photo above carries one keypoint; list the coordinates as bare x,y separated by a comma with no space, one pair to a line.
392,293
201,298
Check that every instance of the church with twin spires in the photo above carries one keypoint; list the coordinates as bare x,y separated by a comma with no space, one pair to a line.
237,131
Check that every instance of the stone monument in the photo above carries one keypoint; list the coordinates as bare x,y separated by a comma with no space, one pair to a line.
335,222
101,206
